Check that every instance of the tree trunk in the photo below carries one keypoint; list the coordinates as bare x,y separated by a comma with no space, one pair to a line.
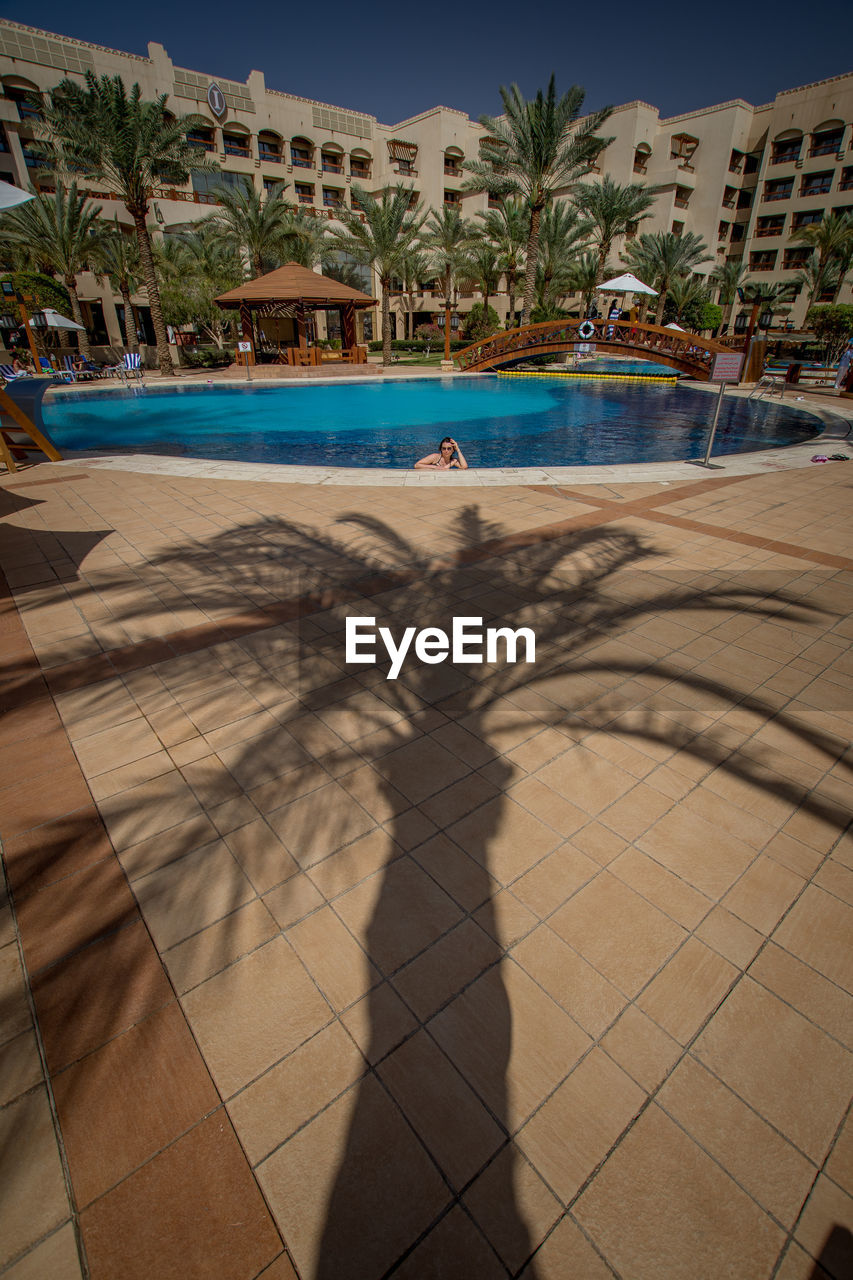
664,286
603,251
510,320
532,264
129,320
164,357
447,314
410,326
385,283
77,314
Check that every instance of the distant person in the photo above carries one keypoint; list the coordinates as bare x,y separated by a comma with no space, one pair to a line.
449,455
615,313
20,367
842,378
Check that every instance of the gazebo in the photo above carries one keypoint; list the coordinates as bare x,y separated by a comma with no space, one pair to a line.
282,302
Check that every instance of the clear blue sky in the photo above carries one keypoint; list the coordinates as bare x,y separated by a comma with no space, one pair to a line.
406,57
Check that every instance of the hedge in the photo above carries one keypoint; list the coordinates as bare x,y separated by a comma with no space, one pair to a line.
415,344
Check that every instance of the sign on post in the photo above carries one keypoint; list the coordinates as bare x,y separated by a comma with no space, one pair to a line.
245,348
726,368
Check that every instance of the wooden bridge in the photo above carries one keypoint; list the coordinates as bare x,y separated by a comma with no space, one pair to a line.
683,351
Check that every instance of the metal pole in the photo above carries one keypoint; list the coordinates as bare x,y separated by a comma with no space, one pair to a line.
248,367
705,461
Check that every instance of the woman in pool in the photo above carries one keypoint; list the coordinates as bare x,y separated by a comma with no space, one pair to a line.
444,459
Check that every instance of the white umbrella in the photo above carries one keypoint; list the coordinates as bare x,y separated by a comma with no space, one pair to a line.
54,320
675,326
627,283
10,196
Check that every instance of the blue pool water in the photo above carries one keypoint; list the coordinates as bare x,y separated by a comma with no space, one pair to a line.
499,422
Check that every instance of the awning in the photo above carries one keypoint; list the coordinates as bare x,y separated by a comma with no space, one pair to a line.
398,150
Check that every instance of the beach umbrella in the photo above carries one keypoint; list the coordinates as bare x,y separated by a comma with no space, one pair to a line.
675,326
626,283
53,320
11,196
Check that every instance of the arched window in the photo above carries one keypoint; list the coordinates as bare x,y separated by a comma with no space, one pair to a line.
642,151
331,158
302,153
359,164
827,138
270,146
787,146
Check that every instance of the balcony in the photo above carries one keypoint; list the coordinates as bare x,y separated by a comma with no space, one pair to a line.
796,259
405,169
301,160
770,226
234,148
269,156
785,155
762,264
331,166
778,191
452,170
681,202
827,144
846,182
821,187
359,171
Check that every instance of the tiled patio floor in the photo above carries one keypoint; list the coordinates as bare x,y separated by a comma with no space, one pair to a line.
494,970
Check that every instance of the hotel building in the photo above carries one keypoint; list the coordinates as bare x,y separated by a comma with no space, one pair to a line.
744,178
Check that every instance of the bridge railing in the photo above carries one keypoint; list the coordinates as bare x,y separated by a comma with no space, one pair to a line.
694,353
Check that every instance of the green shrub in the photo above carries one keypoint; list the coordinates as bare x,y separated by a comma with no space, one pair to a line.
480,324
206,357
833,327
415,345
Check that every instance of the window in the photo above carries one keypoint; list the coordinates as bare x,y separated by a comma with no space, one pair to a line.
805,218
631,230
405,167
827,141
332,198
795,259
23,100
677,228
841,209
201,138
744,199
846,180
4,141
331,162
359,166
682,197
236,144
495,202
816,184
206,185
453,198
778,189
270,151
764,260
304,193
751,163
729,197
770,226
641,157
683,147
735,161
270,184
453,158
354,202
786,150
301,153
738,230
723,231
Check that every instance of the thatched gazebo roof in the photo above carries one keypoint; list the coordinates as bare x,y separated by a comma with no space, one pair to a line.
295,285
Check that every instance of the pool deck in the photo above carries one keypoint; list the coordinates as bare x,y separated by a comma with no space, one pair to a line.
538,970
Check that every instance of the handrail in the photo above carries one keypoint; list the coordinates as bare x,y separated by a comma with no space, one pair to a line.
686,351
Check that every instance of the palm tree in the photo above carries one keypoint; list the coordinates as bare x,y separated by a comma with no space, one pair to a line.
506,228
446,238
727,278
414,269
816,279
563,238
686,291
584,275
381,241
196,267
63,232
130,145
256,223
481,269
304,237
118,260
612,209
664,256
533,151
763,298
832,237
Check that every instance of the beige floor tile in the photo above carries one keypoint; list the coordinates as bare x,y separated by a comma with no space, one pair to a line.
817,999
120,745
685,843
318,824
510,1041
149,809
290,1094
190,894
799,1265
586,779
575,1128
464,879
547,885
839,1166
126,776
34,1200
837,879
664,890
513,1207
443,1110
253,1013
219,945
567,1252
544,803
454,1249
336,962
354,1188
504,838
730,937
581,990
599,842
55,1258
793,854
440,973
763,894
635,812
818,930
661,1207
825,1230
789,1071
397,913
641,1048
687,990
346,868
20,1066
378,1022
167,846
739,822
292,901
13,995
761,1161
262,856
618,932
505,919
422,768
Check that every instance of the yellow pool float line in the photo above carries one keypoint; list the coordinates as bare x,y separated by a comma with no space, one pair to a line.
613,377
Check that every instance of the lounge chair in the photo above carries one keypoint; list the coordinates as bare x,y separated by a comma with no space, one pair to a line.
9,374
130,367
89,371
57,374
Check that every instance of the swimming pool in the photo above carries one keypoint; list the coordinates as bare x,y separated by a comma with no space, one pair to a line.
499,422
